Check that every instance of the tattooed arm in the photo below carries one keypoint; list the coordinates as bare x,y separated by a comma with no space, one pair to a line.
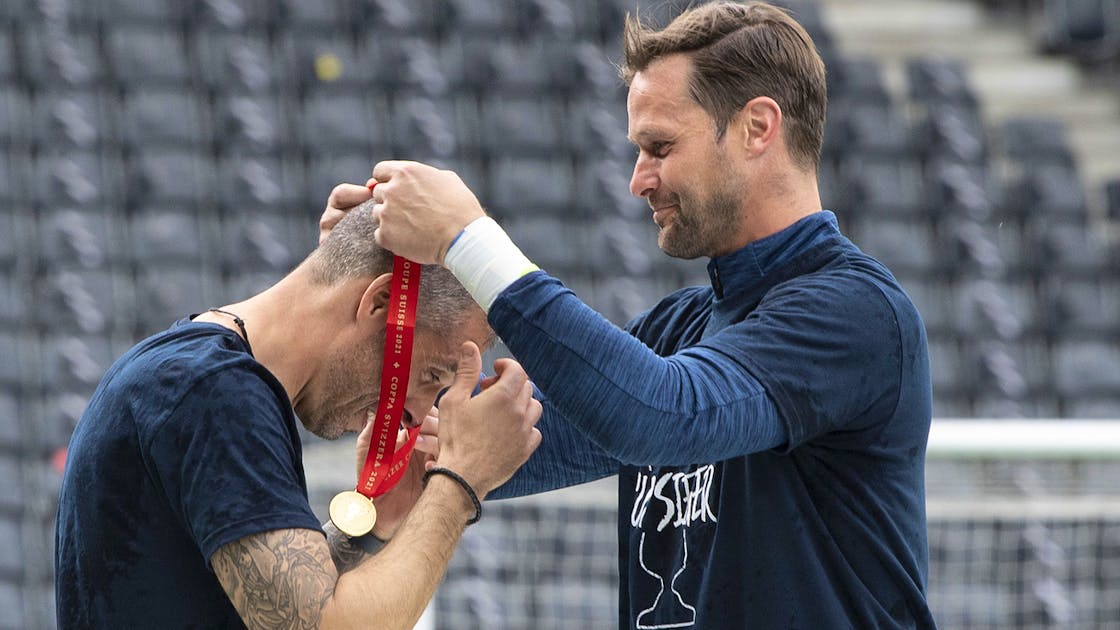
348,552
286,578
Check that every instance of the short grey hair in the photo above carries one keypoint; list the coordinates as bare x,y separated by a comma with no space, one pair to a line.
350,252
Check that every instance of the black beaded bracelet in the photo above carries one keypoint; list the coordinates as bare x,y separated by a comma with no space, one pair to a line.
466,487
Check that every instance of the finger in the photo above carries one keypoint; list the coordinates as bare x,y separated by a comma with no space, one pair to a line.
487,382
346,196
384,171
466,372
535,438
510,376
428,444
430,426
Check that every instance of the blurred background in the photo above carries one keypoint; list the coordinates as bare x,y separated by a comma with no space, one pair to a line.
161,156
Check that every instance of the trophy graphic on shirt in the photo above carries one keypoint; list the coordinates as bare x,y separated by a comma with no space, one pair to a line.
669,609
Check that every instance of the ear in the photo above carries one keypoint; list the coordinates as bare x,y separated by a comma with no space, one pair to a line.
373,307
759,124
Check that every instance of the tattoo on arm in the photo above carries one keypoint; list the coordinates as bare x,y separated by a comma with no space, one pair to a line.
348,552
276,579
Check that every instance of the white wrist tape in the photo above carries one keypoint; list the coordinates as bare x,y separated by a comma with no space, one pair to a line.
486,261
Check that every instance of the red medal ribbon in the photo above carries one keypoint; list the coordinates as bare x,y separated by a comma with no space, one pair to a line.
385,465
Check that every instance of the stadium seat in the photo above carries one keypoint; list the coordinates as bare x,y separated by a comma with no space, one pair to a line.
932,297
414,17
871,129
858,79
19,371
441,126
530,185
602,188
317,60
53,62
1087,29
327,170
952,133
558,245
15,114
1112,199
171,292
170,116
343,122
84,118
161,233
11,432
1045,190
520,126
141,12
554,19
65,177
75,363
231,16
483,17
988,308
11,552
274,185
250,124
952,368
1084,367
11,181
1069,248
7,57
264,242
495,65
1036,140
1086,307
148,55
169,175
323,16
85,300
954,190
239,63
87,237
597,127
405,64
15,300
888,187
938,82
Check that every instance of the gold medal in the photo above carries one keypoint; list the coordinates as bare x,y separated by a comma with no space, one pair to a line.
352,513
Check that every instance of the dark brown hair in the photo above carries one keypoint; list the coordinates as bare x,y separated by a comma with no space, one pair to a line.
740,52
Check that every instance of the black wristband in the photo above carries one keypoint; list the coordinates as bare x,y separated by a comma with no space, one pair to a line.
466,488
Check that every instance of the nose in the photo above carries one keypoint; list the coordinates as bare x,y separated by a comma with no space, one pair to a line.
645,179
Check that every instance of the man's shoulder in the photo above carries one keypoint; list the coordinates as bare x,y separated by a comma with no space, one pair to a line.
672,312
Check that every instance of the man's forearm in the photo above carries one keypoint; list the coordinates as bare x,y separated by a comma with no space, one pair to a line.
396,583
348,552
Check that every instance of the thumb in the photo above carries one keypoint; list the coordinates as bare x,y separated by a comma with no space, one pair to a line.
467,371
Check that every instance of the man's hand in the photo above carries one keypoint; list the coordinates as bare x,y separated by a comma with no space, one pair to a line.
343,198
487,438
421,209
394,505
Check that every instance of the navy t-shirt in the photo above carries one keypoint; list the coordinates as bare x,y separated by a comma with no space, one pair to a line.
187,444
769,433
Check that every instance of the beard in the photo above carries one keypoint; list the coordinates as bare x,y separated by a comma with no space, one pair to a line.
342,406
701,225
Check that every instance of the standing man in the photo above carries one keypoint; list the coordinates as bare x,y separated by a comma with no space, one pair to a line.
768,430
184,502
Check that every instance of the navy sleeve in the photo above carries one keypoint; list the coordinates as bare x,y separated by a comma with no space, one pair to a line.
637,407
827,347
565,458
228,460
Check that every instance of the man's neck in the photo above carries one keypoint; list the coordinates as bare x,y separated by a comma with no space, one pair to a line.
288,324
